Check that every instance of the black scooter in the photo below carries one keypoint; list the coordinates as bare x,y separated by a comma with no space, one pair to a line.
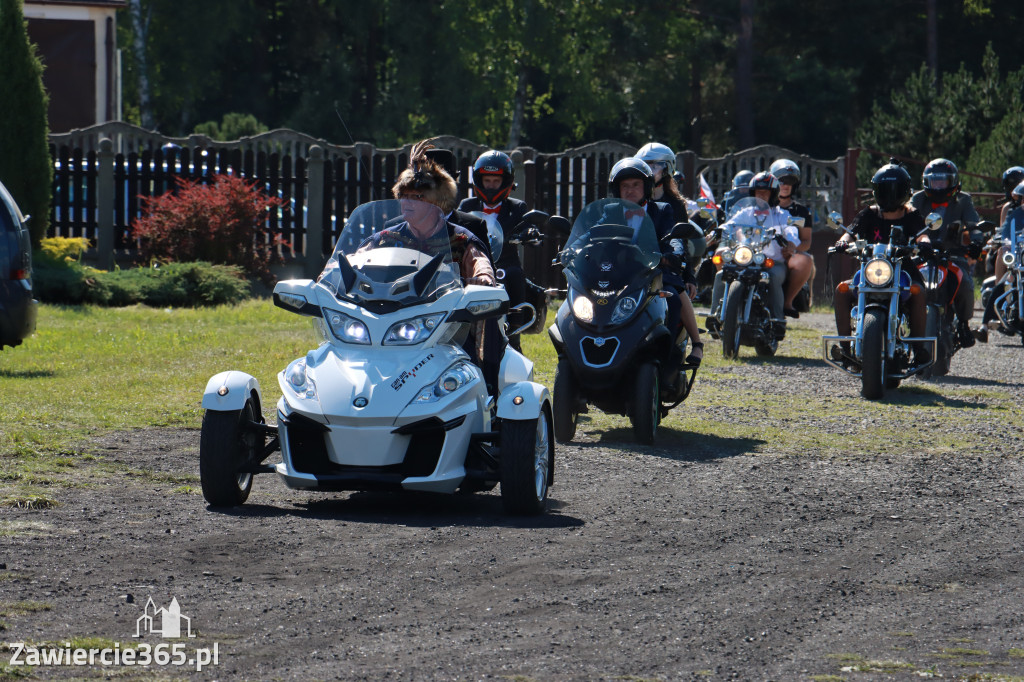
614,349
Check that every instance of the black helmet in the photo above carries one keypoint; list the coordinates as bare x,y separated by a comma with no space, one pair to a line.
631,167
1012,177
765,180
655,152
1017,193
493,163
742,179
941,180
891,184
786,171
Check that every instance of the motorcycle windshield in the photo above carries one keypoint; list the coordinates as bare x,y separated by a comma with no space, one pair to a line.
394,250
612,243
750,221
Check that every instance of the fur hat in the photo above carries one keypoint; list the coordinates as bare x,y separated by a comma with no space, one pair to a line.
425,176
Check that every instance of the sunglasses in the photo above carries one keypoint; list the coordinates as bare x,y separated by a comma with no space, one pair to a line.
410,195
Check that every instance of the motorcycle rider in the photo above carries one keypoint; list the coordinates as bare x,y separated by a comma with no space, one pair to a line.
942,190
1012,177
633,180
493,181
891,185
740,189
765,187
800,264
1014,217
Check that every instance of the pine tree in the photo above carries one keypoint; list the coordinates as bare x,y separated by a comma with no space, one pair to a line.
25,166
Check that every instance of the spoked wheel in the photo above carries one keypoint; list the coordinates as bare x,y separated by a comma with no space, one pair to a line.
873,368
226,446
731,329
566,401
646,404
527,455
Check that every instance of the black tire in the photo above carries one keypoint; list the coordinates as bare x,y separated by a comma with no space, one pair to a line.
566,400
943,350
731,329
226,444
527,455
872,378
646,404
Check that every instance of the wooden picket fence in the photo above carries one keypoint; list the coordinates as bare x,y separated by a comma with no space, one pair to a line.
103,175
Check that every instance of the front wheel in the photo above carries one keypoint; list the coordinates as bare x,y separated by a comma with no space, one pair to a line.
872,364
646,404
227,445
731,328
566,399
527,455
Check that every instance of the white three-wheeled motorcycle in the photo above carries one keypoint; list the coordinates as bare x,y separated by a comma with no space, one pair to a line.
390,400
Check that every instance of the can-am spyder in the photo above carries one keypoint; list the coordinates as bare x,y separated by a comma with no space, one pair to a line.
614,350
389,400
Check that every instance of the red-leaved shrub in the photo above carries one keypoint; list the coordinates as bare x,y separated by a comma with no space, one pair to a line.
223,222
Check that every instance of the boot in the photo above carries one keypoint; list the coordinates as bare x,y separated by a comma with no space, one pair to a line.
964,334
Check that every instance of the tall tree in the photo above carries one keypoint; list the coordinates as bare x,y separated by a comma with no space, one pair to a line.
25,167
744,74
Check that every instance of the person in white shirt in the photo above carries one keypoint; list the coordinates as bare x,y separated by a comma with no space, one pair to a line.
763,186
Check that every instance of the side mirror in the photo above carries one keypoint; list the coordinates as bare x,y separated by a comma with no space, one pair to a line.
933,221
297,296
834,220
536,218
685,230
798,222
560,225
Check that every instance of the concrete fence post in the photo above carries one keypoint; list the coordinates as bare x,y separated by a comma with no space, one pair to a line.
315,183
105,205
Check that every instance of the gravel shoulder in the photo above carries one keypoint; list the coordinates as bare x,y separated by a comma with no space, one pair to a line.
694,559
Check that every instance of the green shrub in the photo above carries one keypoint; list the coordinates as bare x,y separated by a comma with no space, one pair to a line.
188,285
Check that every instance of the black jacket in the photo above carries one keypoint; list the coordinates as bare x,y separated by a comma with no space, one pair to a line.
510,215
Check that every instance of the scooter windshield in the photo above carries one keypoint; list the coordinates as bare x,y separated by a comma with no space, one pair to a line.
394,250
612,241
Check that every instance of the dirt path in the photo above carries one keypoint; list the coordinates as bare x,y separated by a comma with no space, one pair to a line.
675,562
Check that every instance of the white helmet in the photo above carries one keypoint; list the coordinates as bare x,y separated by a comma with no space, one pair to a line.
655,152
786,171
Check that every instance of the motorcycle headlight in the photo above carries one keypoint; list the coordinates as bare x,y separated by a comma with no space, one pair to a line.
758,258
1008,259
744,255
727,256
295,375
624,309
582,308
452,379
412,331
345,328
878,272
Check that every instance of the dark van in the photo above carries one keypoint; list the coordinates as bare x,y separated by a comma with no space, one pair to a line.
17,306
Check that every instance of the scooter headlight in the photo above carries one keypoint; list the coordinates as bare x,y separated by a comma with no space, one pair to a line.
582,308
452,379
412,331
345,328
878,272
743,255
625,309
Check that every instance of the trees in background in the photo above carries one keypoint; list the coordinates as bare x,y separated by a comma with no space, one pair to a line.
24,147
555,74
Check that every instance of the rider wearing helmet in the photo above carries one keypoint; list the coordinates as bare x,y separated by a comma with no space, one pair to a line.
662,162
765,187
633,180
1012,177
800,264
891,185
493,181
740,189
1015,220
941,182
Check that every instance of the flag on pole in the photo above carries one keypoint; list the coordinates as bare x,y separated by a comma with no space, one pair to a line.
705,193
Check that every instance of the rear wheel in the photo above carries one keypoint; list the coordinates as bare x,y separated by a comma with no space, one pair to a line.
731,329
227,445
872,376
527,455
566,400
646,404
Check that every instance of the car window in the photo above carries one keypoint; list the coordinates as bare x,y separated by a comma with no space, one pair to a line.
8,219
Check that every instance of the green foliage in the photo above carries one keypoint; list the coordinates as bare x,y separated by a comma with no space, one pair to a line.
233,126
68,282
24,148
63,249
223,223
929,118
